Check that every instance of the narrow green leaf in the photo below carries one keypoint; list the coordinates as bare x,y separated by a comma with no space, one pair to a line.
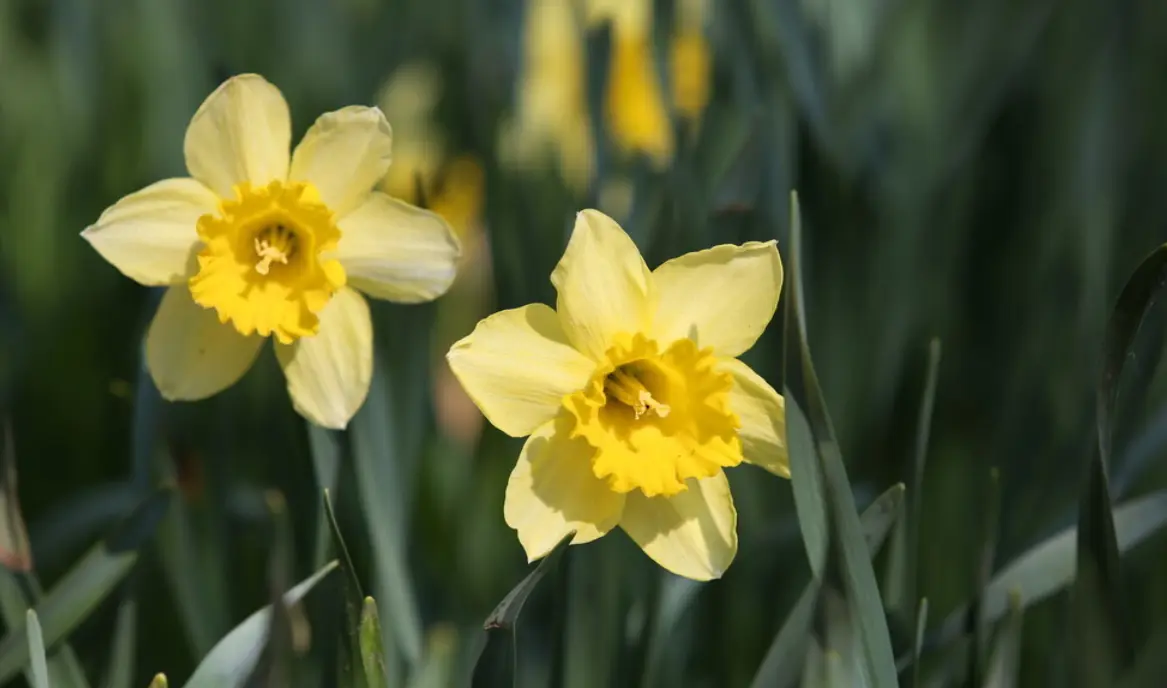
36,645
918,642
856,569
119,672
325,449
806,485
286,625
372,652
979,628
1005,661
235,655
903,560
1125,320
507,612
351,668
1049,566
781,666
676,595
20,590
375,459
89,582
64,669
498,629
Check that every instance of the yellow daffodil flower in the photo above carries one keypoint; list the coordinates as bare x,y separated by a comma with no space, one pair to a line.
635,106
633,397
257,243
551,120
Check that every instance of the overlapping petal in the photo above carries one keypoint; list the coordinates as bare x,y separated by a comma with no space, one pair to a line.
517,365
393,250
762,413
721,297
344,154
693,534
190,354
329,373
604,288
241,133
552,492
150,234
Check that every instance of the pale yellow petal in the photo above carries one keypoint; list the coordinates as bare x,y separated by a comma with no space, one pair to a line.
241,133
329,373
190,354
517,365
344,154
762,413
393,250
150,234
552,491
604,287
692,534
721,297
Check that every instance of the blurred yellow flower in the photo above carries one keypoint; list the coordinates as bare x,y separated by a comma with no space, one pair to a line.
257,242
633,396
551,119
635,107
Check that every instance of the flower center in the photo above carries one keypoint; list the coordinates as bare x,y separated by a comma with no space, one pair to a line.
263,266
273,244
656,418
623,386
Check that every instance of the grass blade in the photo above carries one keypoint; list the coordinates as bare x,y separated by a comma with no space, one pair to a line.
781,666
352,665
1006,658
120,671
325,450
856,569
807,486
373,453
36,650
1049,566
89,582
498,629
903,560
918,641
234,657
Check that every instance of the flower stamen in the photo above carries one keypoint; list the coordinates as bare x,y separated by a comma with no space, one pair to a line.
632,393
273,245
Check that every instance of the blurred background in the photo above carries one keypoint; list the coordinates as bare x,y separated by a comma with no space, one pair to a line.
986,173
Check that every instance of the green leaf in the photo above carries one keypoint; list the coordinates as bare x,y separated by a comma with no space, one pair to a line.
375,458
918,642
20,590
84,587
235,655
1049,566
15,554
676,596
498,629
807,485
1101,646
325,450
781,666
372,652
978,626
856,569
352,664
1005,660
120,670
36,645
902,562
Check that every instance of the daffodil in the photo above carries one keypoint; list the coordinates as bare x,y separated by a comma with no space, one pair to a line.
635,107
632,396
258,244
